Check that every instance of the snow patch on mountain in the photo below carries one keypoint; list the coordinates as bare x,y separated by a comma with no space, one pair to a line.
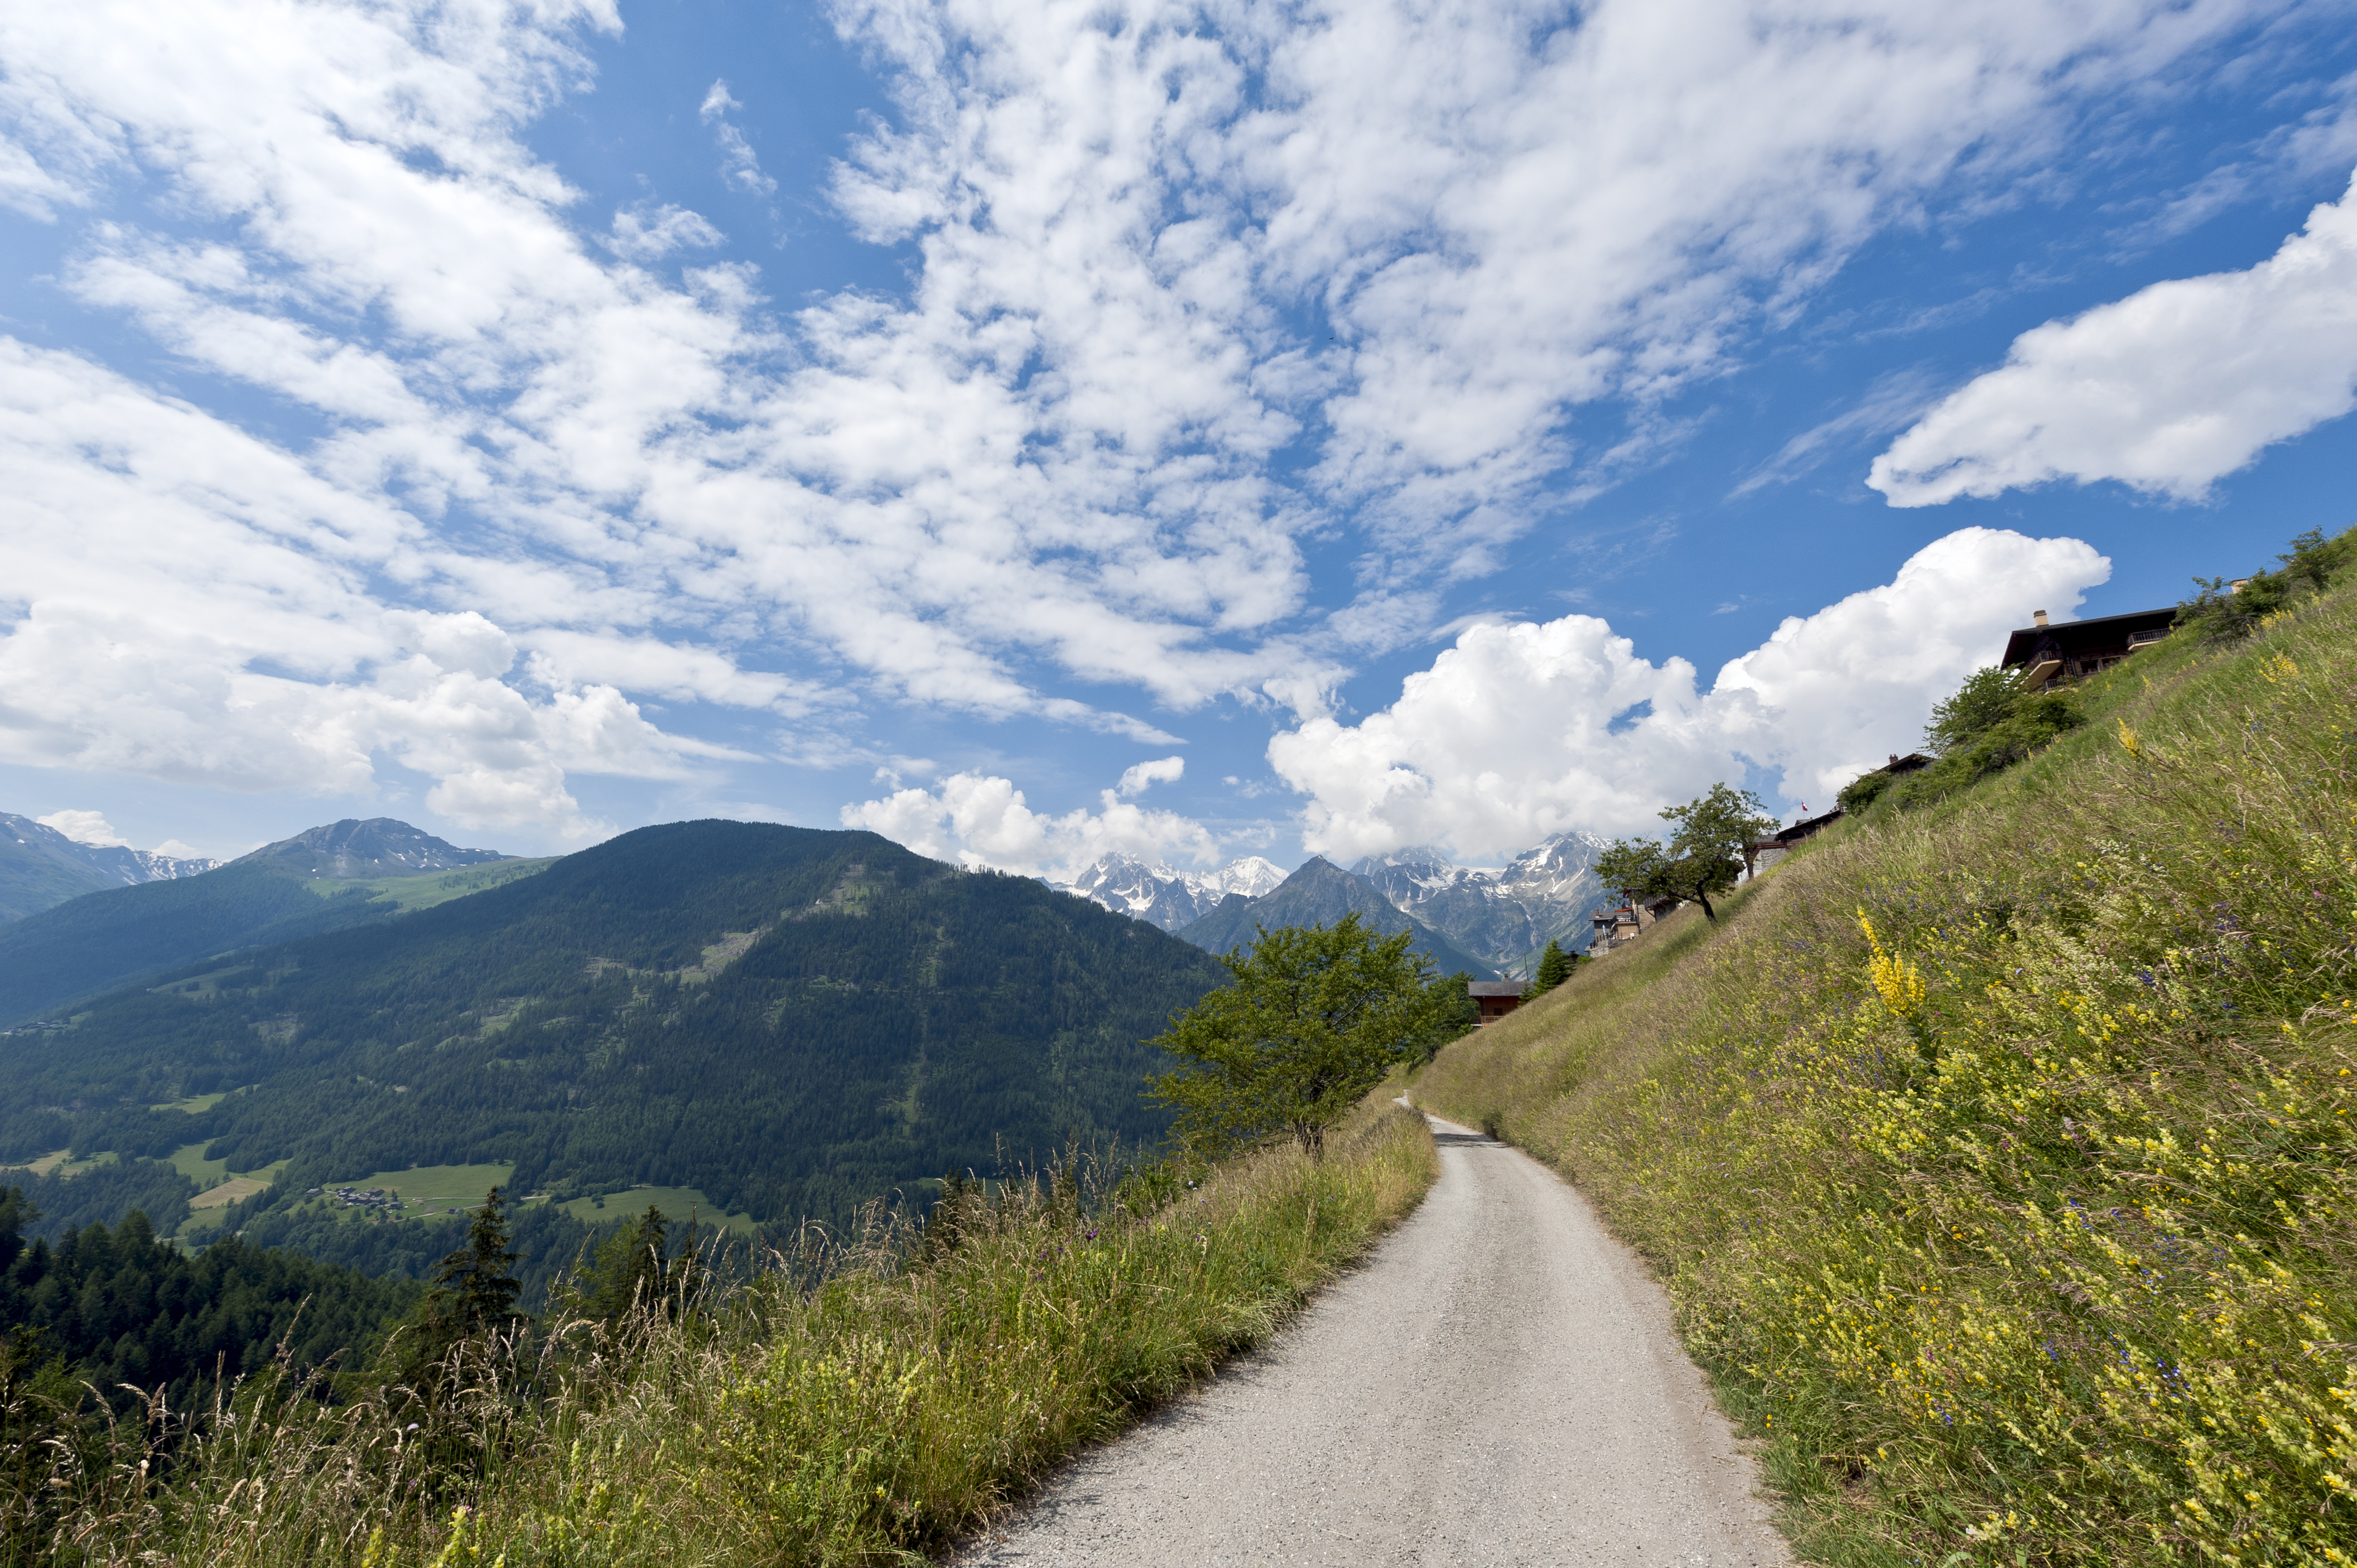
1503,915
1151,891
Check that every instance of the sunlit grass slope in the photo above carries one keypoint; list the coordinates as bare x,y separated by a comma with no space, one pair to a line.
867,1421
1999,1155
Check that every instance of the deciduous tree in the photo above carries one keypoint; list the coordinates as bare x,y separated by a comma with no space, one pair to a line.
1313,1018
1703,856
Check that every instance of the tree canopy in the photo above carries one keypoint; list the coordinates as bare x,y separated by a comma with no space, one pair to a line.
1704,855
1313,1018
1555,968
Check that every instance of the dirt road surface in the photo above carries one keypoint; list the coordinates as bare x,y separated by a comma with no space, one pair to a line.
1498,1385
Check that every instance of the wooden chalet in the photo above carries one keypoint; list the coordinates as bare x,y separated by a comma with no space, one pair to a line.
2045,654
1496,998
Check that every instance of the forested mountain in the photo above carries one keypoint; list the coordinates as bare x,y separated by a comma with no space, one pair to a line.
313,882
114,1305
1319,893
40,867
788,1021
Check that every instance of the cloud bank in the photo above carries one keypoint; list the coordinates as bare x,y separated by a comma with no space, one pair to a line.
413,459
2166,391
1518,732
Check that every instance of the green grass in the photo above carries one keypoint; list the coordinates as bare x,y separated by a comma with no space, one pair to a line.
1998,1154
194,1102
425,891
45,1164
869,1419
428,1192
677,1203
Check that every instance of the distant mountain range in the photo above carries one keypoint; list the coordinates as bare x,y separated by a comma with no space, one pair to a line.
1148,890
1319,893
41,868
325,879
1507,916
1491,919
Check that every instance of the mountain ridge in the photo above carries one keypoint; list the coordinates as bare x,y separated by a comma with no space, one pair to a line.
101,940
42,867
1319,894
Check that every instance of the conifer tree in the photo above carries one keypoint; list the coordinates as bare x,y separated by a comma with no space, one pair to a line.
1555,968
472,1301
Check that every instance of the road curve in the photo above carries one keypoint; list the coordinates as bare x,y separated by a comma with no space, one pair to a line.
1498,1385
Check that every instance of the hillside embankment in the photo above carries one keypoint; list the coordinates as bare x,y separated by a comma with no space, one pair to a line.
867,1418
1500,1384
1997,1155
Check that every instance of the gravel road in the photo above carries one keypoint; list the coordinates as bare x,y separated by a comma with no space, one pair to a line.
1498,1385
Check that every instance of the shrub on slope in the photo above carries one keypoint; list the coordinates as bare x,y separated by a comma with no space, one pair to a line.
1998,1154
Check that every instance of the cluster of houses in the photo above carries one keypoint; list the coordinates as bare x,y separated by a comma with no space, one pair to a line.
2043,655
381,1200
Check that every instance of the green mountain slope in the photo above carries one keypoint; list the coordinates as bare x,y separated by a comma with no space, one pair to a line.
292,889
1319,893
787,1020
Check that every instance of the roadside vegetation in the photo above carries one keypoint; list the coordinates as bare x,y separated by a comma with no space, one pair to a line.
857,1401
1997,1146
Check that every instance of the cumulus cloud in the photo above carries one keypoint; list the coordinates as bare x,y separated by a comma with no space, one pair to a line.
85,827
980,819
1522,731
2166,391
1134,779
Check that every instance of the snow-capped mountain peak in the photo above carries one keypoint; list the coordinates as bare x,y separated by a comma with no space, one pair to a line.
1150,890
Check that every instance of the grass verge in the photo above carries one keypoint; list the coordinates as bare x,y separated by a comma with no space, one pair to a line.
1999,1154
870,1418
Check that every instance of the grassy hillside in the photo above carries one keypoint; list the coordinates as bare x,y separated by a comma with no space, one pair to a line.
2000,1153
867,1419
787,1022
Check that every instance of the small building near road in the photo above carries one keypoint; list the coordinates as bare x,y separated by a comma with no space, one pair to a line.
1496,998
2044,654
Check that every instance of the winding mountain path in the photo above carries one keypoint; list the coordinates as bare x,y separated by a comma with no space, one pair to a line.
1498,1385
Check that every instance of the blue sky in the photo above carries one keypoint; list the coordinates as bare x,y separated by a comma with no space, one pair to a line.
1424,426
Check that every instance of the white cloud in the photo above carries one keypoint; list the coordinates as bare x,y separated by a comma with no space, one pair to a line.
1518,732
1079,451
1843,689
85,827
739,165
980,819
647,234
2166,391
1136,777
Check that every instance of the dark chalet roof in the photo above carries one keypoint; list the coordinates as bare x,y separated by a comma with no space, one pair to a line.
2076,639
1494,988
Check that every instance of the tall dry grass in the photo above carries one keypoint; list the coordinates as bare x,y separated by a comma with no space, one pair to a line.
1999,1156
868,1418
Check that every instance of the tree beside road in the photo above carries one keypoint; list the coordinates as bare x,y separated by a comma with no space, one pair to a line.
1315,1017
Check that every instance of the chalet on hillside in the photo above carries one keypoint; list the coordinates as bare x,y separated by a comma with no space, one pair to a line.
2045,654
1618,926
1496,998
1759,855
